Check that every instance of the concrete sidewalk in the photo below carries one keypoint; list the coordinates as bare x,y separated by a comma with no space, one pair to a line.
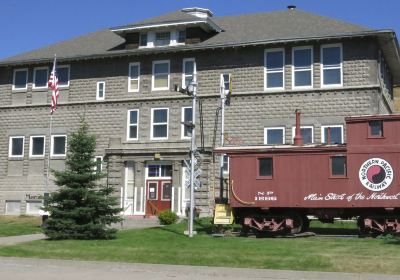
127,223
11,240
36,269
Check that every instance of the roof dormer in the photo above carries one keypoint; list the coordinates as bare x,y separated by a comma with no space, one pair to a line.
187,26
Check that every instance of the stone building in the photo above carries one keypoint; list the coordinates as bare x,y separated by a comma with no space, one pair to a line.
122,80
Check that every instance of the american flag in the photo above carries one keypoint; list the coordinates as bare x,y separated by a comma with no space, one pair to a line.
53,85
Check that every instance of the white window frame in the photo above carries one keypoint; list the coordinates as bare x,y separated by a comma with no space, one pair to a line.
183,119
28,208
98,91
27,76
322,67
10,147
184,70
152,76
129,125
7,211
274,128
323,136
222,81
130,79
52,145
152,124
303,126
305,69
155,38
31,146
101,163
34,77
227,164
69,75
266,71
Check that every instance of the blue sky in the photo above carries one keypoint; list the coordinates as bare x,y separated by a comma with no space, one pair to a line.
30,24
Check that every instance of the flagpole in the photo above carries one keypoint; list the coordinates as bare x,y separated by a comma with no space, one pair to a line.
48,156
53,84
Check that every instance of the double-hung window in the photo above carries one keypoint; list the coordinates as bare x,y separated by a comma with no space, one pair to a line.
274,135
134,77
189,70
274,61
63,75
16,146
331,65
40,77
58,145
302,68
98,167
225,164
20,79
159,123
101,90
187,118
36,146
133,126
162,39
334,133
160,78
307,133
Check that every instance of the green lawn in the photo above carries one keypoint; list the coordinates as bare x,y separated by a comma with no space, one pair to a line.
168,245
19,225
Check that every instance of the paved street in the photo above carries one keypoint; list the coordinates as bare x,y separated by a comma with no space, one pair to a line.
33,269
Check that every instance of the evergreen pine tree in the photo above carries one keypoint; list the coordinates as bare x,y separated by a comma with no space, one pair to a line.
81,209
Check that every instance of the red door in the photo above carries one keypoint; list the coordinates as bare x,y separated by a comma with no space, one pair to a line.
159,194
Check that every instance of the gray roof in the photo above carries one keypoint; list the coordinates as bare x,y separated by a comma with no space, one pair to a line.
242,29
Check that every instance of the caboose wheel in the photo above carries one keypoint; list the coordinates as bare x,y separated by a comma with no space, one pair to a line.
298,222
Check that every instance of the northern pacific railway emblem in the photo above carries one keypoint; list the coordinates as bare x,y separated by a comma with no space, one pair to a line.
376,174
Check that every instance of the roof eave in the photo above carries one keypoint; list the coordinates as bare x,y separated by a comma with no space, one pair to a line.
207,24
201,47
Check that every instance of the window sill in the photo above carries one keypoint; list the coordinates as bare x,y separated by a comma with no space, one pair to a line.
338,177
160,89
267,90
58,156
376,137
19,90
36,157
331,86
264,178
19,158
40,89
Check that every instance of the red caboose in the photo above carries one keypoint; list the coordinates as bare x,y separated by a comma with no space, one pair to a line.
275,188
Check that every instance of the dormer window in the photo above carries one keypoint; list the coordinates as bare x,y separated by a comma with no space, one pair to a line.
143,40
163,39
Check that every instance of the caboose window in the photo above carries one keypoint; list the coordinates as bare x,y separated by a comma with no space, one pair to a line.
338,166
265,167
375,128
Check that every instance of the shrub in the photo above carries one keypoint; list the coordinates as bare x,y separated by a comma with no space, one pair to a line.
167,217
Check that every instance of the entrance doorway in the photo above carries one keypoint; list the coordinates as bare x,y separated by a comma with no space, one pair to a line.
158,188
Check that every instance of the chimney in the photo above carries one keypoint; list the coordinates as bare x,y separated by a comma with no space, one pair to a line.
298,140
198,12
291,7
